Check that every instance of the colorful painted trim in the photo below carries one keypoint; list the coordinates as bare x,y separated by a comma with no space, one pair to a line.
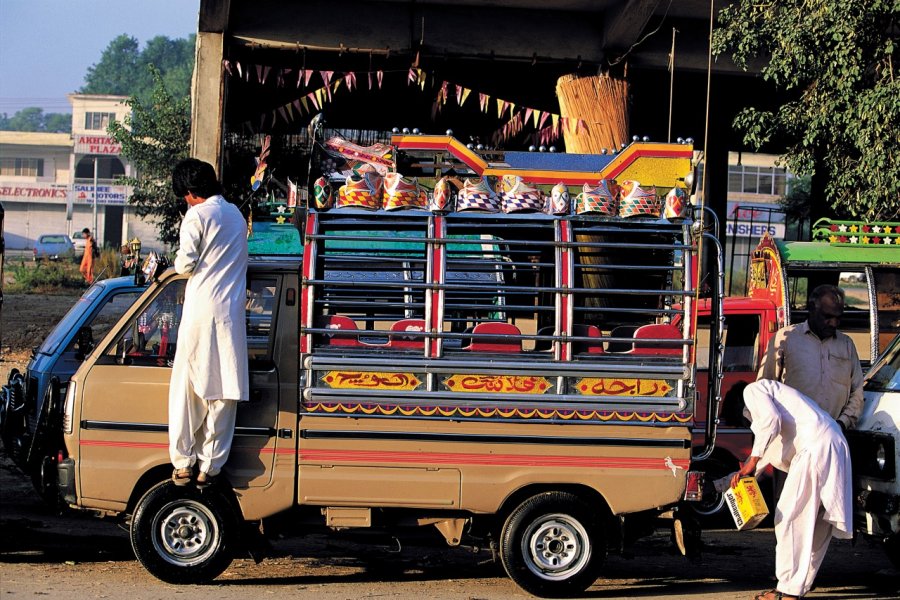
370,380
497,384
605,386
499,460
852,233
368,408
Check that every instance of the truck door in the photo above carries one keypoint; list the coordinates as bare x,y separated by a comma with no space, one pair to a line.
124,414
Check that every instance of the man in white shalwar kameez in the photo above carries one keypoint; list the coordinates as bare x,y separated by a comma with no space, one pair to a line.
793,434
209,374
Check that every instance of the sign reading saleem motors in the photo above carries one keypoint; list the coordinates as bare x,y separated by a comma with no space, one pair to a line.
106,194
97,144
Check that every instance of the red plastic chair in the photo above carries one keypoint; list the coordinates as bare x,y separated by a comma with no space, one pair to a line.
657,331
400,337
590,347
339,323
508,338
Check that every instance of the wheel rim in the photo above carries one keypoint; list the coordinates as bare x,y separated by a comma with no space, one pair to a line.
556,547
185,533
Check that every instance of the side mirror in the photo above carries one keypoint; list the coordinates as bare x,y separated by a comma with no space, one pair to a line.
84,342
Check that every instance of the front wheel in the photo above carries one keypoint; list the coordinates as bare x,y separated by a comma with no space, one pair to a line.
182,534
552,545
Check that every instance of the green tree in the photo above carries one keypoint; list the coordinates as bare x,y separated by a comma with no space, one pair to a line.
122,69
154,138
58,122
117,73
837,62
27,119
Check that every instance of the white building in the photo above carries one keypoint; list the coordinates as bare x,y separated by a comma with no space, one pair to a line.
62,183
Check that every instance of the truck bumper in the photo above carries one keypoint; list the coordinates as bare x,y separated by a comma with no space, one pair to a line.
65,479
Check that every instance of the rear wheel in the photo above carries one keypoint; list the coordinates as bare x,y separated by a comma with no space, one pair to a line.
552,545
711,509
182,534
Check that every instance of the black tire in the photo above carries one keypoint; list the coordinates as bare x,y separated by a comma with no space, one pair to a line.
182,534
552,545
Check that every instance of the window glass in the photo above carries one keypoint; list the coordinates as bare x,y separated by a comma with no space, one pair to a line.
735,177
98,120
750,180
885,376
151,337
741,340
22,167
261,302
111,312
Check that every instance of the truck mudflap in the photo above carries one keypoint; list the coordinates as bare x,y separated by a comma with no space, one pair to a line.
65,480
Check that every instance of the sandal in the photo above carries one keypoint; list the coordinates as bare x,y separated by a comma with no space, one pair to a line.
776,595
205,480
181,477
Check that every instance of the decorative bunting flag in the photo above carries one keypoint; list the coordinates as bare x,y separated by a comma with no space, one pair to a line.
306,77
483,100
265,74
543,120
369,76
412,77
528,113
459,95
379,75
465,94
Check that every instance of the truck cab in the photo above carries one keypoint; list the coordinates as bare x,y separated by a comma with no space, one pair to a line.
30,402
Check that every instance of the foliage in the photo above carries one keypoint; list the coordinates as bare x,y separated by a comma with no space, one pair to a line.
154,138
797,202
123,67
35,119
44,276
837,61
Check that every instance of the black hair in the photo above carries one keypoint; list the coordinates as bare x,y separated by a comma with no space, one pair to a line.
826,289
86,231
197,177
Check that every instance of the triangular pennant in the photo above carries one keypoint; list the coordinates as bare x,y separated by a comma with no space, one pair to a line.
421,75
314,99
512,108
350,78
283,113
279,77
465,94
326,76
554,121
543,120
528,113
259,73
239,70
227,64
306,76
265,74
459,95
483,101
501,107
298,106
290,110
537,118
369,77
301,73
380,76
442,95
320,96
412,77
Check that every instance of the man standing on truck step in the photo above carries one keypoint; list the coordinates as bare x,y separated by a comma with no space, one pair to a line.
794,435
209,374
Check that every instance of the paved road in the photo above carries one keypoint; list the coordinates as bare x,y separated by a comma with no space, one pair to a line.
77,557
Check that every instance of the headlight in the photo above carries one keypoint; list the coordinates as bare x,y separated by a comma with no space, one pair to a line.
68,412
880,457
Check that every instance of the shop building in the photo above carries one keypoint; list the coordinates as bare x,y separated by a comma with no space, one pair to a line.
64,182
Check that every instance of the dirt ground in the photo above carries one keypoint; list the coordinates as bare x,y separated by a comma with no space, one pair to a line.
79,557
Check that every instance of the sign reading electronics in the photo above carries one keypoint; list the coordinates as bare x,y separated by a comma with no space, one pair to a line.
97,144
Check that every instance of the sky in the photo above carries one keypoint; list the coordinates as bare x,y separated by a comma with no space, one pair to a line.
46,46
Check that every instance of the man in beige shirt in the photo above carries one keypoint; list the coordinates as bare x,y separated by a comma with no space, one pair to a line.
818,360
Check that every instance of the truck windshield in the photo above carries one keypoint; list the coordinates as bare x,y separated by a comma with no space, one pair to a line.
885,375
115,302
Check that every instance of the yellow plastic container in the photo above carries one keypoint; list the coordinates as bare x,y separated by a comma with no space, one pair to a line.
746,503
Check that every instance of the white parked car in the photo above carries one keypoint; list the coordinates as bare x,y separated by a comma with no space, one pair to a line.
79,241
875,448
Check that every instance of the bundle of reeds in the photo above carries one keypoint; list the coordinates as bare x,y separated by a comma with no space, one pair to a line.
601,102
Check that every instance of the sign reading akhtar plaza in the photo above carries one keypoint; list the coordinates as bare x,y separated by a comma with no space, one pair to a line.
96,144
